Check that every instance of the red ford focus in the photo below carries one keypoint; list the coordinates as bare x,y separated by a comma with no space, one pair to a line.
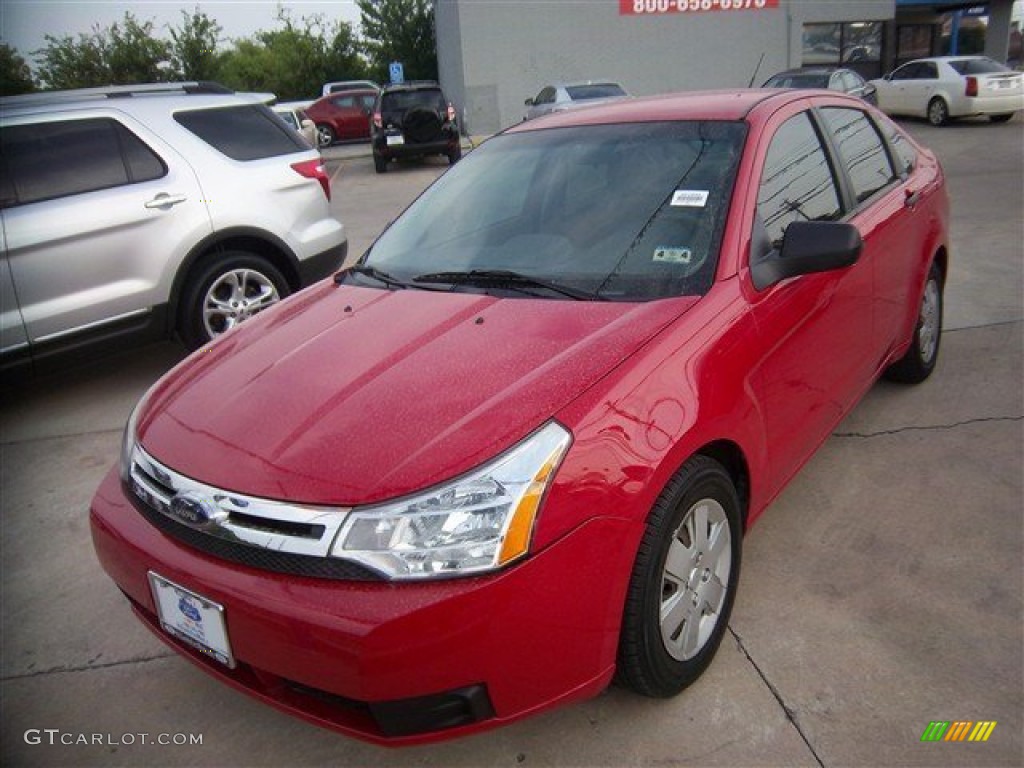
514,451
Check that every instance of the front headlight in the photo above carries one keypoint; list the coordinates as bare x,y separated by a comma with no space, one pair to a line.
128,443
477,523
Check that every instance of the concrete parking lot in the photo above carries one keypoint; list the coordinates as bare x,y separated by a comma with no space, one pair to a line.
881,592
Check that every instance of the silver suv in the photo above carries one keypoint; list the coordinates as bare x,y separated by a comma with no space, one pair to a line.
144,211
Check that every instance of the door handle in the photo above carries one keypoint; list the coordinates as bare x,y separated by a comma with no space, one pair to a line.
912,197
164,200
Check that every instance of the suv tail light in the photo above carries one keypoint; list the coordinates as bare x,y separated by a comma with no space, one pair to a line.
451,112
972,87
314,169
378,121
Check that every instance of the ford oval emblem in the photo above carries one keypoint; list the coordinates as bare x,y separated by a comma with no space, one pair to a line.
195,510
186,607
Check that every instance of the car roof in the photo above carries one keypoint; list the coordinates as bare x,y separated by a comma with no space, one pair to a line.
412,85
691,105
135,99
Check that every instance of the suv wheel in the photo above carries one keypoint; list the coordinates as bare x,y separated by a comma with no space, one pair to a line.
455,154
380,164
226,292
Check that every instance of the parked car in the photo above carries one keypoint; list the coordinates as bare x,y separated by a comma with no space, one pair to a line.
831,78
342,116
340,86
562,96
947,87
182,209
413,120
298,120
537,417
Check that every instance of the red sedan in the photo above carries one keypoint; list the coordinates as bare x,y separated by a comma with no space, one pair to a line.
342,116
514,451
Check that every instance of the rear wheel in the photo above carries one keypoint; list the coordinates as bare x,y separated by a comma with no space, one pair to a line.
454,155
938,112
919,361
324,135
683,583
226,292
380,164
1001,118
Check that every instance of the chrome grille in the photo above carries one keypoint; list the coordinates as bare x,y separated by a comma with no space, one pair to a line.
247,520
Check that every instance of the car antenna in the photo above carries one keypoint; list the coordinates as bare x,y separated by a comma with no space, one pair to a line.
754,76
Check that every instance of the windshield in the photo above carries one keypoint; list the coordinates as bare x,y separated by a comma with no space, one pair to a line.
594,91
620,212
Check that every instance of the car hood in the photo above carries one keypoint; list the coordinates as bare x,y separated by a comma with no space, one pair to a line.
349,395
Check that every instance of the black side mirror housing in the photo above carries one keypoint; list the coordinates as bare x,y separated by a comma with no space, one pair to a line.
528,102
808,247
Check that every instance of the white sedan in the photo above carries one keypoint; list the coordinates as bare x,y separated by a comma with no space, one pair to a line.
945,87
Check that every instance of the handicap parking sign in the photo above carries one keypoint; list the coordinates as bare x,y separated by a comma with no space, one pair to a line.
397,73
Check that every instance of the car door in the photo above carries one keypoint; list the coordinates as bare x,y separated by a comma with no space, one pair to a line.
96,214
816,329
917,89
894,92
350,116
885,217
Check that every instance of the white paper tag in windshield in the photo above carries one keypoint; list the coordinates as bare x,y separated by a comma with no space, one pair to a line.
668,255
690,198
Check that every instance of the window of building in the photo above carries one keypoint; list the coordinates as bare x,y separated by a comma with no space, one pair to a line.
913,41
861,149
797,182
855,44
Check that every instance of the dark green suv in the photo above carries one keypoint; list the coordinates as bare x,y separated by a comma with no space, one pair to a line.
413,120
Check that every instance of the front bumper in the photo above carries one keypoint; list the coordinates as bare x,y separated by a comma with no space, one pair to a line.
387,662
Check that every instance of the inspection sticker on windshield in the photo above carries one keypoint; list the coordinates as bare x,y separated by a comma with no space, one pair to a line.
690,198
668,255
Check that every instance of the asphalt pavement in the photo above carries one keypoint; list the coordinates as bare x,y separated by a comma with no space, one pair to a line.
882,591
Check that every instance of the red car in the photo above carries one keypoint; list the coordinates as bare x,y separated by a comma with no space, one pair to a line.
513,452
342,116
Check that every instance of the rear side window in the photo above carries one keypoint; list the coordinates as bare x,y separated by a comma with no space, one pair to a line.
978,66
861,150
797,182
247,132
45,161
598,91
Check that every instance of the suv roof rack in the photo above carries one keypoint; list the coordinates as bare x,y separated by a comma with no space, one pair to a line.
115,92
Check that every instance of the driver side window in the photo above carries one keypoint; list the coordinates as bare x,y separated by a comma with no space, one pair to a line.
797,182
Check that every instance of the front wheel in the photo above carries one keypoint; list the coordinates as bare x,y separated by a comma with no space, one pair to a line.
919,361
938,112
228,291
683,583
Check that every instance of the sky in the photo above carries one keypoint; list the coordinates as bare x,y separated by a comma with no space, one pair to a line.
24,23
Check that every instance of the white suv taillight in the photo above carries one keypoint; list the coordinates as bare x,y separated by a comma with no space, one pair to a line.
314,169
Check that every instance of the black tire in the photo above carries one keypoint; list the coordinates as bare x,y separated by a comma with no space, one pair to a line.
1001,118
454,155
919,361
938,112
380,164
646,663
421,126
324,135
258,284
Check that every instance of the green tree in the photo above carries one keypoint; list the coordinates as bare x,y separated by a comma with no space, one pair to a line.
194,46
123,53
295,59
15,75
400,30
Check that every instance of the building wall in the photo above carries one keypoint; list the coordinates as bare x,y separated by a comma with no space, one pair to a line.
494,54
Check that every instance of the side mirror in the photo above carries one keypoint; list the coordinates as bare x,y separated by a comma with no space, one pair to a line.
307,123
528,102
870,90
808,247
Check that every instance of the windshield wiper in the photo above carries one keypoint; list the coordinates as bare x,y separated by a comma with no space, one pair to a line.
506,279
372,272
